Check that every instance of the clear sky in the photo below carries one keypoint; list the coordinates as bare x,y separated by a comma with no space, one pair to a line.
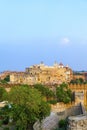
32,31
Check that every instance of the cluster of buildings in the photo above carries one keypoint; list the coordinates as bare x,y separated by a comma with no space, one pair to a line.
44,74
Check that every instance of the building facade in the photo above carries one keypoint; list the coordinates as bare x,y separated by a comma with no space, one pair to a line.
44,74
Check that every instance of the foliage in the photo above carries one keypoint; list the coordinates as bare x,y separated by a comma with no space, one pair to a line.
7,78
78,81
1,122
62,123
3,94
27,106
3,81
45,91
52,101
4,114
44,110
63,93
6,128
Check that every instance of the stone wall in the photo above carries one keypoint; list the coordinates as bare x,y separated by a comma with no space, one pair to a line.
73,108
49,123
73,111
80,89
77,122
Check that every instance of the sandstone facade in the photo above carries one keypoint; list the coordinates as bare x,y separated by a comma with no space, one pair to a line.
77,122
41,73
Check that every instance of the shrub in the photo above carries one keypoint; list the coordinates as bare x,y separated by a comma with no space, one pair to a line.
52,101
62,123
6,120
1,122
6,128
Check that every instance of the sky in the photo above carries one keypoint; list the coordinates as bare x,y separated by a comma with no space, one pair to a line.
32,31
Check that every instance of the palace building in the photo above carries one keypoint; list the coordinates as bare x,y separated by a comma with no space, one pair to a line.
44,74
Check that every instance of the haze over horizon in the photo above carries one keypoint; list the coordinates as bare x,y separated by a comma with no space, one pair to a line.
43,30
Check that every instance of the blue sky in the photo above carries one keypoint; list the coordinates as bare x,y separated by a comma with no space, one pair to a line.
32,31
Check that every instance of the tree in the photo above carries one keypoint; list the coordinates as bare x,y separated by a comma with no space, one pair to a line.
27,106
45,91
77,81
63,93
7,78
3,94
4,114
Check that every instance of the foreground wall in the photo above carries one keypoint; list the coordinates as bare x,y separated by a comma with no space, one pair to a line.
49,123
77,122
80,90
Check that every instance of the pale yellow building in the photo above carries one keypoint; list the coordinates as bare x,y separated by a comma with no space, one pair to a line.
41,73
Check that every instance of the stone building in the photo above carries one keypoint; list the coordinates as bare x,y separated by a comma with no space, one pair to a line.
80,75
41,73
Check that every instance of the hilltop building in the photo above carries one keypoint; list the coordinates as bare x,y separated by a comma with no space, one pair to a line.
44,74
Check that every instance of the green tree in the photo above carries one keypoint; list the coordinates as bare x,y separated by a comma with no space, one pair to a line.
77,81
3,94
63,93
7,78
45,91
27,106
4,114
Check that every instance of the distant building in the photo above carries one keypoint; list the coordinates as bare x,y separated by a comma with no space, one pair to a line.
44,74
85,75
80,75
